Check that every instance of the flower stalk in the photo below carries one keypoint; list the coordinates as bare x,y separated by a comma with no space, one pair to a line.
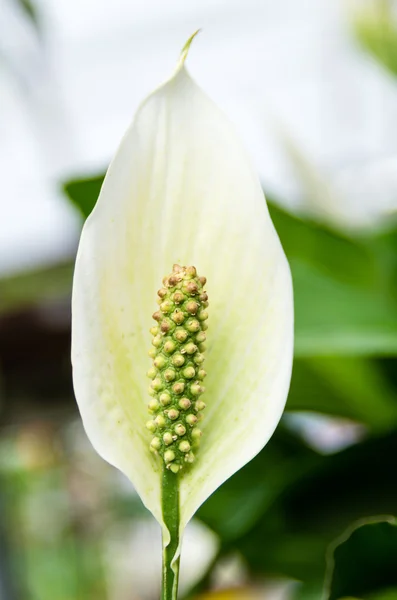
170,507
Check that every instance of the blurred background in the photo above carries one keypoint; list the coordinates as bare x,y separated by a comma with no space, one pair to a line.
311,86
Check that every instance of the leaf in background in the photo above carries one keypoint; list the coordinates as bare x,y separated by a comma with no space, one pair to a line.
317,499
351,387
345,300
376,30
334,318
235,507
29,9
35,287
364,562
328,252
84,192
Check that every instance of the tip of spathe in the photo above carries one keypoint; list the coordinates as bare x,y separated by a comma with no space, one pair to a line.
186,48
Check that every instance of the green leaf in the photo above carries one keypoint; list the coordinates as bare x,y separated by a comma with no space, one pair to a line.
307,501
364,562
242,500
353,387
35,287
84,192
328,252
345,288
336,318
376,30
29,9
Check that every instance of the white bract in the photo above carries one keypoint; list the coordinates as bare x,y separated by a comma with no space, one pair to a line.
181,190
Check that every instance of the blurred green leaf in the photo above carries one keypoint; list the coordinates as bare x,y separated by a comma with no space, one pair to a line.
364,562
290,530
65,571
376,30
328,252
35,287
384,595
335,318
29,9
241,501
351,387
345,289
83,193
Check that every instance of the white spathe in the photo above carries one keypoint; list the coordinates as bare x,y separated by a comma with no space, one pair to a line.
181,190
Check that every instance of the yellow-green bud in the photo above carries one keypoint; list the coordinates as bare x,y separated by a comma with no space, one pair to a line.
201,337
169,347
152,372
159,362
196,389
198,359
196,434
169,374
178,317
178,360
176,374
160,420
190,348
173,414
199,405
153,405
179,429
184,403
167,306
191,420
157,384
165,398
193,326
169,456
167,438
151,425
189,372
181,334
184,446
178,387
157,341
155,443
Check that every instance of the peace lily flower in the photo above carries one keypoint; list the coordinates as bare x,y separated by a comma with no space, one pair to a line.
180,191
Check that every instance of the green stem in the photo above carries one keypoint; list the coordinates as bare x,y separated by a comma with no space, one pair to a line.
170,506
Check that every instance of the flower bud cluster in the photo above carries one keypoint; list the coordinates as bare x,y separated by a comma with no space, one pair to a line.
177,372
